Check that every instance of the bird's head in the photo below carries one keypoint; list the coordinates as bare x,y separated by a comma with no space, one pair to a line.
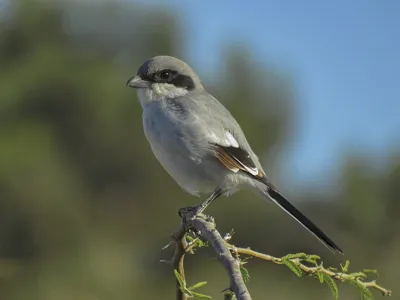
164,77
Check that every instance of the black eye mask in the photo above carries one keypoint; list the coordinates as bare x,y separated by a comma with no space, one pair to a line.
171,77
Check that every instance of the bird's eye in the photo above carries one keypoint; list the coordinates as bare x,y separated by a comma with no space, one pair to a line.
165,74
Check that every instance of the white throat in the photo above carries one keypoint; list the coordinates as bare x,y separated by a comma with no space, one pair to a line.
159,92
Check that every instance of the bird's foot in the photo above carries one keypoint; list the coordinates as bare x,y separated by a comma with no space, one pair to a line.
192,212
187,211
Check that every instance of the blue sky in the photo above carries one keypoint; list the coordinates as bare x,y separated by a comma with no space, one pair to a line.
344,57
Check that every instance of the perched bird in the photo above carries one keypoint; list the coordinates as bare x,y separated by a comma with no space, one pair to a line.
198,141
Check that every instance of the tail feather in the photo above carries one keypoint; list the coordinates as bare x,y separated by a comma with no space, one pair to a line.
276,197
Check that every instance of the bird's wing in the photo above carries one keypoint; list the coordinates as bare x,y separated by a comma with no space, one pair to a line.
209,125
236,158
231,146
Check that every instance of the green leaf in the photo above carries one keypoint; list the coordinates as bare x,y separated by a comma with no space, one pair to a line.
345,268
196,241
293,267
358,275
313,257
197,285
189,291
366,294
245,273
320,277
199,243
332,285
368,271
180,280
229,295
297,255
198,295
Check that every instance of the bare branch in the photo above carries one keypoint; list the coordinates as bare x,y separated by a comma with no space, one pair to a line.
207,229
205,226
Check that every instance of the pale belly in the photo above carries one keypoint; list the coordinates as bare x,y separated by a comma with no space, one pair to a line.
169,148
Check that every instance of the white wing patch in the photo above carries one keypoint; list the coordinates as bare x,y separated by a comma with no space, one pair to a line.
253,171
227,141
230,140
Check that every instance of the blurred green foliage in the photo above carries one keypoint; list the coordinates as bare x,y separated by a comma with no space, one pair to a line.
84,206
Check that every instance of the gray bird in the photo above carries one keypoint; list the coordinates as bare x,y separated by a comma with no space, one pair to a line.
198,141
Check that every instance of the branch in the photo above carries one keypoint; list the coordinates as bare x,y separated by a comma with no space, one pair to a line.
177,260
209,232
191,234
298,260
205,226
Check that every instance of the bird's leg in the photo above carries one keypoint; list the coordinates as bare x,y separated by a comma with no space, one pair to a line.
200,208
197,210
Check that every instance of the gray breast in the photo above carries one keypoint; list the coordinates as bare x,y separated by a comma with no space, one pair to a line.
167,143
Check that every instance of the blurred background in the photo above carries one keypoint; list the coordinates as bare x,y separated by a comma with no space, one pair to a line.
85,208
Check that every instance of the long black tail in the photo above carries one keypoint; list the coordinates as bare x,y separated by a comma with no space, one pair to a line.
276,197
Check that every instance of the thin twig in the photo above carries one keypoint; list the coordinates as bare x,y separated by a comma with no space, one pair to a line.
178,258
340,276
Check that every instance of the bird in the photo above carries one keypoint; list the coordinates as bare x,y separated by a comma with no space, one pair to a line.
198,141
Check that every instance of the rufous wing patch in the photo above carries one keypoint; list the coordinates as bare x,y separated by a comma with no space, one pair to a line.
227,160
227,157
